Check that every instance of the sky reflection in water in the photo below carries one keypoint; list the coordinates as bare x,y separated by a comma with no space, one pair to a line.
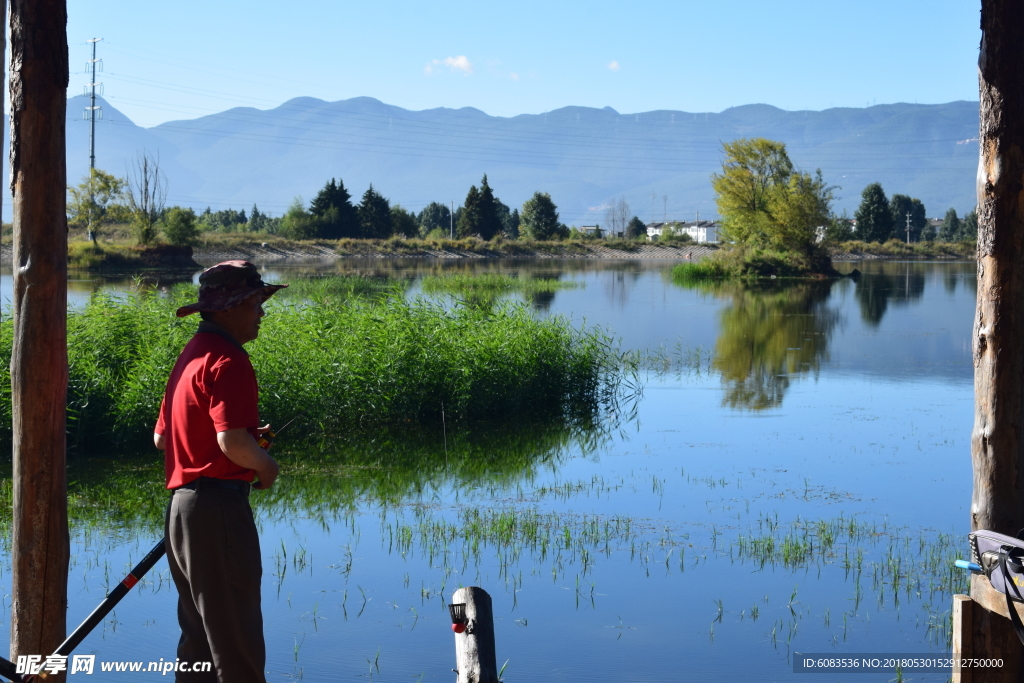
606,554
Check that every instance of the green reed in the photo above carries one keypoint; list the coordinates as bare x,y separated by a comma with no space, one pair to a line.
344,364
491,284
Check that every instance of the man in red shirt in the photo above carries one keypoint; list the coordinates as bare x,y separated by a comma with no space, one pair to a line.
208,428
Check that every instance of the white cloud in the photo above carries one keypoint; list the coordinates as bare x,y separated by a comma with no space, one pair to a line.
514,76
614,65
460,63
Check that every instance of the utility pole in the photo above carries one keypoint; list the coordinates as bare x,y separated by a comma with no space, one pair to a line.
908,227
451,221
92,110
90,113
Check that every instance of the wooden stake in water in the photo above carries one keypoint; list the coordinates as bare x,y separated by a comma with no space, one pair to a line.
474,647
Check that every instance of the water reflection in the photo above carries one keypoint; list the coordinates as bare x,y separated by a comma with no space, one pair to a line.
875,290
769,334
338,473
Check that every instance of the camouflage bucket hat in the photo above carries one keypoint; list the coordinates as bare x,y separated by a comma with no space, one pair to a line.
228,284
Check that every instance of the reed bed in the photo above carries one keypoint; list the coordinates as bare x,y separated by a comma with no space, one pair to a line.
343,363
491,285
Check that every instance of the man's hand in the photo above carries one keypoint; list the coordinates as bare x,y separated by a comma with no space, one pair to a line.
240,447
262,431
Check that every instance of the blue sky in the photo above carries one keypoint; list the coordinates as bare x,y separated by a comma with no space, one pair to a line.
526,57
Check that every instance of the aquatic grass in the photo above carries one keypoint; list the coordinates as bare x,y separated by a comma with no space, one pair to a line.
345,365
491,284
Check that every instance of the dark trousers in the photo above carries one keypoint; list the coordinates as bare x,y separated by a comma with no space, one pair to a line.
213,550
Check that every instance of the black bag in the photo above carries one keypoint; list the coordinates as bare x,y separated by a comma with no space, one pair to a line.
1001,558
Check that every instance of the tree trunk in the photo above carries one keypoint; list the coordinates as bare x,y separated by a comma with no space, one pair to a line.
39,369
997,444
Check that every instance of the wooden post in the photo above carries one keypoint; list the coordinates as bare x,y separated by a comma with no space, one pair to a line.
39,368
980,625
474,647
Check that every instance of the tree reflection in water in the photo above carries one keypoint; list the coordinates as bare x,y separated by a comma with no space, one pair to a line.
771,332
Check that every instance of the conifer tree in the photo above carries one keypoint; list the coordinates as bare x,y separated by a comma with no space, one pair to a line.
489,220
374,215
874,218
469,219
950,230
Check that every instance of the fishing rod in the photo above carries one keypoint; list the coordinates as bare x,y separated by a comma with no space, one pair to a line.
264,442
9,670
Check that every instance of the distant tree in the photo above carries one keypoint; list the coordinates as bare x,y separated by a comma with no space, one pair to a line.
764,202
469,219
510,223
839,229
489,218
753,167
180,225
225,220
146,192
88,202
257,220
374,215
297,223
899,206
435,216
969,226
635,228
539,218
332,207
928,233
617,216
874,218
950,229
404,222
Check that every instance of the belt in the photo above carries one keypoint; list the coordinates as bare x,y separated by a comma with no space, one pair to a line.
202,483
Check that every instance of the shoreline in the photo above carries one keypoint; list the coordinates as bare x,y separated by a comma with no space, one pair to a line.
281,251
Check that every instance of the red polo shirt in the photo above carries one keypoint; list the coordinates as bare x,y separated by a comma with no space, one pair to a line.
212,388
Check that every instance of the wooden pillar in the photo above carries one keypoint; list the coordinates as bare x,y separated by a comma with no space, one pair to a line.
39,369
981,625
474,648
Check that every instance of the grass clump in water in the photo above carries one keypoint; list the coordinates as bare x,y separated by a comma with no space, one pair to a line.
738,262
491,285
345,365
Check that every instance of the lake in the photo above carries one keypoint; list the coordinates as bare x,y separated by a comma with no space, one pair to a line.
793,476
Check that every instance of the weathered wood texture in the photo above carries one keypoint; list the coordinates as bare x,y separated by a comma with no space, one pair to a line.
474,648
986,634
39,372
963,611
997,444
981,626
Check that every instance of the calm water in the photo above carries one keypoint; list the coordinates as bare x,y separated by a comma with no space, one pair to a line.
673,546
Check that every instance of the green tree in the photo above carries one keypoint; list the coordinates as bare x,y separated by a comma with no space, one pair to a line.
490,221
635,228
765,203
900,205
180,225
950,230
332,207
752,169
928,233
874,219
969,226
374,215
257,220
510,223
404,222
470,218
435,216
296,223
89,202
839,229
539,218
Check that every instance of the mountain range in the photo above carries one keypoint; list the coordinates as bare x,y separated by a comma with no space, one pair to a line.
585,158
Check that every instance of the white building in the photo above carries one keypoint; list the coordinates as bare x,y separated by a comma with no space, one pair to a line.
700,232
